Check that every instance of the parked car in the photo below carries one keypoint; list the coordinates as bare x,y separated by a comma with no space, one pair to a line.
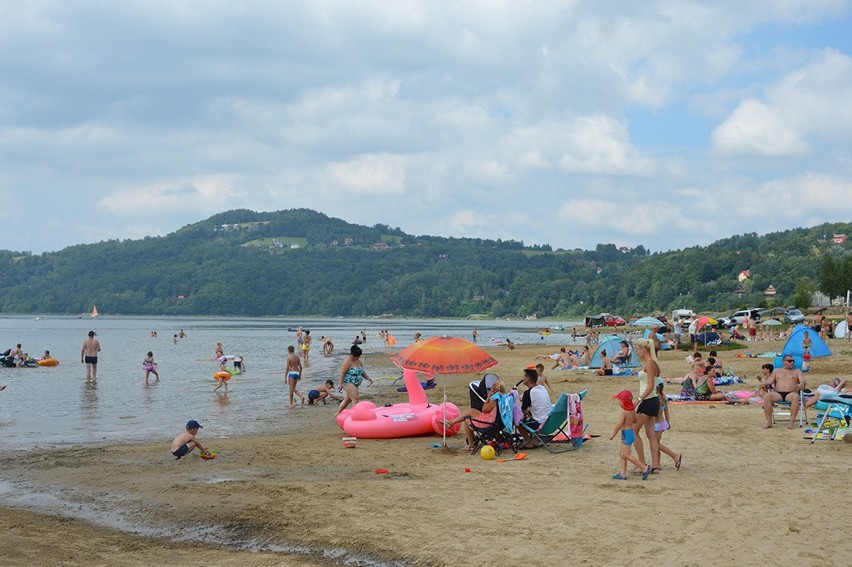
614,321
793,316
740,316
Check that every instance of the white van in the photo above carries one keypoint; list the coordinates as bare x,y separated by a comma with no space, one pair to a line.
682,313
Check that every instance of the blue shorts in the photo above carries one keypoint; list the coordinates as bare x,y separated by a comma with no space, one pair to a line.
181,451
293,375
628,437
313,395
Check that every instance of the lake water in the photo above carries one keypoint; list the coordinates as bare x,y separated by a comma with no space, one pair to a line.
44,407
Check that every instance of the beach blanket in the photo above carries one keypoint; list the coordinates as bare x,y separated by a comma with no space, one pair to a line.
718,381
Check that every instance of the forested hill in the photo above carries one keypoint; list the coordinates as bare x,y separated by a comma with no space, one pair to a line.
300,262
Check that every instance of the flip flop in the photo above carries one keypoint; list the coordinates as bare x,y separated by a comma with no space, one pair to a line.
618,476
678,461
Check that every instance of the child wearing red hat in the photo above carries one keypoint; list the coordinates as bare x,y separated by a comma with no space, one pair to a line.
625,425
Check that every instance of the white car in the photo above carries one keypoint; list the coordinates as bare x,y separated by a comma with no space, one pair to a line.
740,316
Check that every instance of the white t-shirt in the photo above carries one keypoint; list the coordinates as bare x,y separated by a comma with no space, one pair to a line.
693,327
540,405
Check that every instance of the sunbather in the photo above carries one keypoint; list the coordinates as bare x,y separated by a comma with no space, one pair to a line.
836,386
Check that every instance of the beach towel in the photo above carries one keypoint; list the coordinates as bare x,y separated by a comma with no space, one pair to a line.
575,417
517,414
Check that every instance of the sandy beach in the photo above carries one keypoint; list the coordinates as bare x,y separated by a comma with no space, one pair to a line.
745,495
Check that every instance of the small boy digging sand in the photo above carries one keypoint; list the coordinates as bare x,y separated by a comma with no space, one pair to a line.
625,425
186,442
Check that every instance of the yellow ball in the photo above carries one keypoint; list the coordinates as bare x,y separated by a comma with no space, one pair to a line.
487,453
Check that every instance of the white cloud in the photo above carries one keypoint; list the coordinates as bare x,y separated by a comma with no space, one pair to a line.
372,174
507,108
754,129
595,144
466,222
202,194
623,215
488,170
809,102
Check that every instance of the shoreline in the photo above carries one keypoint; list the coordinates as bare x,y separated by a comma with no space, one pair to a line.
304,489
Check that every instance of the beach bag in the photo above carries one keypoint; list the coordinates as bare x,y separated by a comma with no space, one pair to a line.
687,388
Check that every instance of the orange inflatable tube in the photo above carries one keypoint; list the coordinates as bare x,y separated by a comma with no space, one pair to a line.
222,376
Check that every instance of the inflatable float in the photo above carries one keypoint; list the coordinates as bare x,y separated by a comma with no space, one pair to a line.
417,417
222,376
48,362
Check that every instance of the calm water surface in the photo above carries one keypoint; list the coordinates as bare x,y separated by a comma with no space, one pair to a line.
56,406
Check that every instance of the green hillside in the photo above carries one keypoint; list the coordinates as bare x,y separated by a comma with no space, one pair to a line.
300,262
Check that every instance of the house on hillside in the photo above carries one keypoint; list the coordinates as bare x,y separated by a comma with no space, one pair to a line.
839,238
380,246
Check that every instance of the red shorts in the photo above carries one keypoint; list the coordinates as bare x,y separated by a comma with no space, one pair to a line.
752,331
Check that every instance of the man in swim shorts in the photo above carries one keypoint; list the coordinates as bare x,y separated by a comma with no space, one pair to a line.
89,356
788,383
186,442
294,373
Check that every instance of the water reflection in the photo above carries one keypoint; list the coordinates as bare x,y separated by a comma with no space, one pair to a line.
89,401
148,394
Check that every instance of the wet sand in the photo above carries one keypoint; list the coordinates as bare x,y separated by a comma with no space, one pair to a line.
745,495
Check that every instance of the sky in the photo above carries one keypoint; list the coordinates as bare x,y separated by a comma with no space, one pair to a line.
665,124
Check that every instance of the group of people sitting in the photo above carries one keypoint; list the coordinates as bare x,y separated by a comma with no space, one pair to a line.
535,404
568,359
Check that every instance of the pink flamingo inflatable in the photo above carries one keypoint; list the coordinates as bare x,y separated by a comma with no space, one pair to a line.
417,417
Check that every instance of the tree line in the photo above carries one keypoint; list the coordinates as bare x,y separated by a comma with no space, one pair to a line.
227,265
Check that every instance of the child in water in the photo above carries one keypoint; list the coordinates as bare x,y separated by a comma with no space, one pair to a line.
625,425
186,442
149,366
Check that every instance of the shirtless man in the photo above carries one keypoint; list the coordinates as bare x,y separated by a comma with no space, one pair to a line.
17,354
89,356
788,383
294,373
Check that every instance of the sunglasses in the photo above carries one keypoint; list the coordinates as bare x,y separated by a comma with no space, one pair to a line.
788,360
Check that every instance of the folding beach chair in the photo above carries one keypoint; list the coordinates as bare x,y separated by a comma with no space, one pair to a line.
781,410
497,433
554,431
837,415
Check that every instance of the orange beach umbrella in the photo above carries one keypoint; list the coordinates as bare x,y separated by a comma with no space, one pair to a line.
444,355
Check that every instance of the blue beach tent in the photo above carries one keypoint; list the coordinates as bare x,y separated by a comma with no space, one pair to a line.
612,344
794,343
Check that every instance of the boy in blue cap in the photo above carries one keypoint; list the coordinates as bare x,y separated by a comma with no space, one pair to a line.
186,441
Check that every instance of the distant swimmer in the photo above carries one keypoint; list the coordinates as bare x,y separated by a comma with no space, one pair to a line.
89,356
